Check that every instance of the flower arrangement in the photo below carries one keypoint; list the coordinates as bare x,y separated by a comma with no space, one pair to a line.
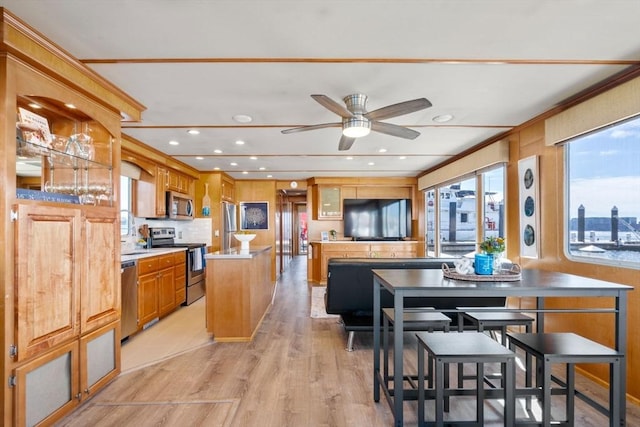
492,245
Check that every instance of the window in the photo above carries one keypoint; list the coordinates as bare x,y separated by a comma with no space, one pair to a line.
452,218
603,196
125,206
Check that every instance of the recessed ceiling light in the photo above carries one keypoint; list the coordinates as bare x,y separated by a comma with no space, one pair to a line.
242,118
70,106
269,176
371,164
193,132
245,173
262,168
349,158
217,151
233,164
199,158
402,157
253,158
239,142
443,118
172,142
382,150
216,168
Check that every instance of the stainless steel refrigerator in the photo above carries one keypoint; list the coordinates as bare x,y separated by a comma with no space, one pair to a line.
229,224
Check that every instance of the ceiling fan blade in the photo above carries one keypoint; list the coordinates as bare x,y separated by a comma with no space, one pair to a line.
333,106
345,143
398,109
312,127
394,130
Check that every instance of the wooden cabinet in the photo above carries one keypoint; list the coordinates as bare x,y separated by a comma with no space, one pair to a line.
158,285
53,384
100,299
180,265
60,263
227,190
47,293
147,290
166,284
322,252
178,182
162,185
239,292
328,202
393,250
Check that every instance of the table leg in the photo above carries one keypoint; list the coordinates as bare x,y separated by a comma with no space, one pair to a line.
376,339
398,341
621,346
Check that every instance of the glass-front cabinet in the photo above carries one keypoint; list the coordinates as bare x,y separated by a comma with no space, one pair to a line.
60,154
329,202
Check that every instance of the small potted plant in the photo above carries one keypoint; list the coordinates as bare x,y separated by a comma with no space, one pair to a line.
333,234
494,246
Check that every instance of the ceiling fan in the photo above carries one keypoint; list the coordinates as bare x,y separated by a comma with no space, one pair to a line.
358,122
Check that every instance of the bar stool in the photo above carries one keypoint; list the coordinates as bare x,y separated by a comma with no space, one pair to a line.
463,347
413,320
567,348
487,320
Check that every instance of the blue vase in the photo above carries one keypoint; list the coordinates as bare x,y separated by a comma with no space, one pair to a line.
483,264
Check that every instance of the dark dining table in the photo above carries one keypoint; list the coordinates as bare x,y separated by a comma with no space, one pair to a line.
535,283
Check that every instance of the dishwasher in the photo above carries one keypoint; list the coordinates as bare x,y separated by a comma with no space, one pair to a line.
129,298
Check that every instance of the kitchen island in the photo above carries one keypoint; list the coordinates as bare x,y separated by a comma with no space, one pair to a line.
239,292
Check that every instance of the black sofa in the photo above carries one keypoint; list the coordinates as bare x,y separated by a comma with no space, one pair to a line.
350,291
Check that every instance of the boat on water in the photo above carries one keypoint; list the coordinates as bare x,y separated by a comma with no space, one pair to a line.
458,211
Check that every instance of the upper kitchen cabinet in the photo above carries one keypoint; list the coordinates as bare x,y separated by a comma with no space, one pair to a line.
328,202
228,189
60,125
158,174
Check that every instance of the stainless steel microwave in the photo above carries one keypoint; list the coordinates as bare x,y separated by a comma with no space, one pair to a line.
179,206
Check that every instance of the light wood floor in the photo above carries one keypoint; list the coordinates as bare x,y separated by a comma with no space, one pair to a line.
295,372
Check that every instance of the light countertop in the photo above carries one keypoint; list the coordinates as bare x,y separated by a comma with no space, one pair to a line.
144,253
237,253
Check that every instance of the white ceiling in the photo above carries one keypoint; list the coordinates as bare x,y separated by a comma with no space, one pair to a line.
492,64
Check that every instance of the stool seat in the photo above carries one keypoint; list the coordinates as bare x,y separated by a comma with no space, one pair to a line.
563,345
568,348
498,317
419,319
463,347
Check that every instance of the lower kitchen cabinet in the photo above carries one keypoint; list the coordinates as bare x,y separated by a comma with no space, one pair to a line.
50,386
158,289
147,290
180,263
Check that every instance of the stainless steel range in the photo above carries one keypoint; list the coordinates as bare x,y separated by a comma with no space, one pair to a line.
164,237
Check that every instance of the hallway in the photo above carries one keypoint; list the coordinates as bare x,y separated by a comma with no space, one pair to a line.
295,372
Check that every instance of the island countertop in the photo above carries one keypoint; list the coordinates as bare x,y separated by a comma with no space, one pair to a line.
237,253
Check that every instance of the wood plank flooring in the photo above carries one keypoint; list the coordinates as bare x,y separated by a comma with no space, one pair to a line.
295,372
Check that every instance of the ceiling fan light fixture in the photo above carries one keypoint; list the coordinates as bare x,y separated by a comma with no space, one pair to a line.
356,127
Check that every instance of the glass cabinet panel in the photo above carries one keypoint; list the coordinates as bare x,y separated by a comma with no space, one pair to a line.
329,202
62,154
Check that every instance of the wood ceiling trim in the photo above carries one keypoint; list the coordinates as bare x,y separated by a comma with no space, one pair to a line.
488,61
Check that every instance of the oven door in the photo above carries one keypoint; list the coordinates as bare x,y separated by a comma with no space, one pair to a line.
195,265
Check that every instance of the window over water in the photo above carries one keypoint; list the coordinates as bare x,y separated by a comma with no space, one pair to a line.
452,215
603,196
